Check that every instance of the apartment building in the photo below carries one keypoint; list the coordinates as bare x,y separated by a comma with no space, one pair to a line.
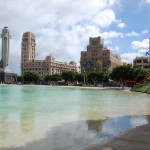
142,62
98,57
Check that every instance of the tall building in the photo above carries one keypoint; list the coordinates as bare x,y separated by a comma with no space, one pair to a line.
98,57
28,47
6,76
5,49
42,67
142,62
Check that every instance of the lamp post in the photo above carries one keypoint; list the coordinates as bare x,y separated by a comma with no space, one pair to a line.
95,70
84,75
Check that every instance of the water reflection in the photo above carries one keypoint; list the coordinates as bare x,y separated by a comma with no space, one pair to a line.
27,110
103,105
81,134
17,124
95,125
27,121
4,125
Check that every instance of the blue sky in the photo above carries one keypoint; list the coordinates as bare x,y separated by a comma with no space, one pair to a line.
135,15
63,27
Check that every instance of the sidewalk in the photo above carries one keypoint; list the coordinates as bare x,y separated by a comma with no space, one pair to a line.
136,139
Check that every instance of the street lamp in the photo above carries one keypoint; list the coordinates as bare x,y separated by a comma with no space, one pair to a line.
84,75
95,70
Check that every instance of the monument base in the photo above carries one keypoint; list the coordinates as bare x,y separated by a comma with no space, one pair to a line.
7,70
8,78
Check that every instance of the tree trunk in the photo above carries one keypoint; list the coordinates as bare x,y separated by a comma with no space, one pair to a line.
122,84
94,83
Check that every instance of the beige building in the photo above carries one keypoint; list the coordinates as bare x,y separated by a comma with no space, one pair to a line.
142,62
28,47
42,67
98,57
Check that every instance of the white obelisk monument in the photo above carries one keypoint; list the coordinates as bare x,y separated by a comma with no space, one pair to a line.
5,50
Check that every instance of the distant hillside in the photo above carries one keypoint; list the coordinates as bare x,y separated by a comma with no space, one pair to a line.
144,88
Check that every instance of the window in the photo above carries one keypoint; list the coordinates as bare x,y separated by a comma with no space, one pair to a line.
104,54
145,61
138,61
146,66
104,65
94,42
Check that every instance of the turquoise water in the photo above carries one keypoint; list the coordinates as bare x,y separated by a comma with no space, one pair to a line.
56,115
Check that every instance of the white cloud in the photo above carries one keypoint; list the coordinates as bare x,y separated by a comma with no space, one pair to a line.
114,49
147,1
108,42
112,34
133,33
145,31
143,2
121,25
112,2
62,28
105,18
128,57
141,46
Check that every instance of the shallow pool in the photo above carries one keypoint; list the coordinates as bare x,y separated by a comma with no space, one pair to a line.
67,118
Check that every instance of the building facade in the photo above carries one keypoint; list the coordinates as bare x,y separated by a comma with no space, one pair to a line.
42,67
142,62
98,57
28,47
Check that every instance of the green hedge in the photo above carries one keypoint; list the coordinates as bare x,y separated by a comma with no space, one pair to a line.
144,88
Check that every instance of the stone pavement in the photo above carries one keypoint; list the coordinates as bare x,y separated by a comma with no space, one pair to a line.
136,139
